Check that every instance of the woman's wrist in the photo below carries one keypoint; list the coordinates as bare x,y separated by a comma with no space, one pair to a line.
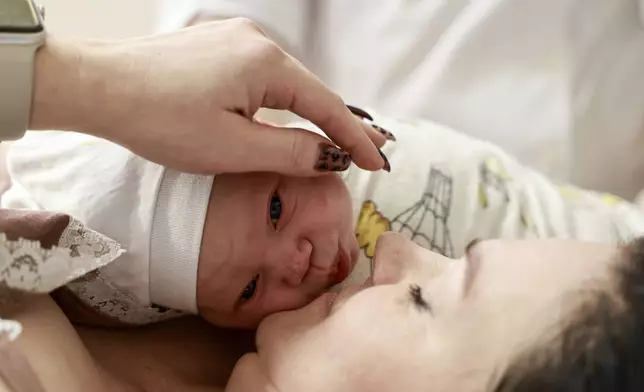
73,86
56,89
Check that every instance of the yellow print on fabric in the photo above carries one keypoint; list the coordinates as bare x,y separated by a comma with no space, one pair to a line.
571,193
494,180
579,196
611,200
371,224
493,177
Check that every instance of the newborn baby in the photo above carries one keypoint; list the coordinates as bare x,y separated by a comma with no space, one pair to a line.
235,248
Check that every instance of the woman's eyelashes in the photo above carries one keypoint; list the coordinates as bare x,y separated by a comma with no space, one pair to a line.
417,298
250,290
275,209
470,245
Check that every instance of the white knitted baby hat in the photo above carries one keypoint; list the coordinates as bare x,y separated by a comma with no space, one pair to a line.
177,228
155,213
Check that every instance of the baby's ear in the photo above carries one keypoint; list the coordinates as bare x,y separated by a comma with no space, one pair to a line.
248,376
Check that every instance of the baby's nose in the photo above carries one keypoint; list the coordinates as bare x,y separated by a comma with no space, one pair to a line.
297,264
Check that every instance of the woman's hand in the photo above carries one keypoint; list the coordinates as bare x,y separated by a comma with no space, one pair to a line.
188,99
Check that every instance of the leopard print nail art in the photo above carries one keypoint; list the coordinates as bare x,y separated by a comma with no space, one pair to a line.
385,133
387,166
332,158
360,113
366,117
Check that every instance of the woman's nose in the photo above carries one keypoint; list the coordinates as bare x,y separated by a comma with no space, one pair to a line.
391,258
398,258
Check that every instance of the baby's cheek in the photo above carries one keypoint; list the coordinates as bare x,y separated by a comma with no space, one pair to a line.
343,207
332,202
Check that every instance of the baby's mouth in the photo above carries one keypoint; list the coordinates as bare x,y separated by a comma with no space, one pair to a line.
343,265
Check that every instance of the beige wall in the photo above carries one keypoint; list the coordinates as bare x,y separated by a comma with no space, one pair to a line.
101,18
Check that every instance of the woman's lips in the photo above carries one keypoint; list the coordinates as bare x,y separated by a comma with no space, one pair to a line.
332,301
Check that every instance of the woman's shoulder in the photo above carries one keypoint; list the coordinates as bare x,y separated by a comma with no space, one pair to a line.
186,353
41,320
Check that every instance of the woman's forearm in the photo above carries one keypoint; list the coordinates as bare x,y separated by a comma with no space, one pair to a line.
72,85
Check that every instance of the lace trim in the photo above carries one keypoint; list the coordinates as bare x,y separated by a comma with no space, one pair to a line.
27,267
9,331
98,292
106,298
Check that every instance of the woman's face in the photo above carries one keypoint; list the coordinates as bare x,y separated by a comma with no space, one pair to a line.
428,323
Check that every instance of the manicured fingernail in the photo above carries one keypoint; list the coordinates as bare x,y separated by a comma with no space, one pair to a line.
332,158
366,116
387,167
359,112
385,133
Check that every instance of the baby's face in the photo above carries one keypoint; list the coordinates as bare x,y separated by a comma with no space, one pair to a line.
272,243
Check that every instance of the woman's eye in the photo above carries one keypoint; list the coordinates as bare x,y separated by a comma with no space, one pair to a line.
275,209
249,291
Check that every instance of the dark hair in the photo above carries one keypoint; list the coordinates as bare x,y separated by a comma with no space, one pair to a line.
600,349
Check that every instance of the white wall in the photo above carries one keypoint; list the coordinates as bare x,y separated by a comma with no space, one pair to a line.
102,18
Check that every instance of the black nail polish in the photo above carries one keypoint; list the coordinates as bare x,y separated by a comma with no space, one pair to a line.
387,167
332,158
359,112
385,133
